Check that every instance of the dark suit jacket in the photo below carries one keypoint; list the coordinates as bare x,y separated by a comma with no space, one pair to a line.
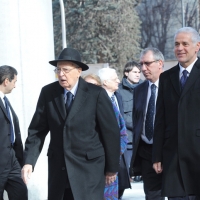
177,132
86,142
5,144
123,176
139,106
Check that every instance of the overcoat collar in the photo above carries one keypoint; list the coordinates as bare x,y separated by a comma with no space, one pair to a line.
78,101
174,75
195,73
144,88
5,111
58,94
3,108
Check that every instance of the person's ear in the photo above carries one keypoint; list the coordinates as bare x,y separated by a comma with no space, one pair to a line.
105,82
197,47
126,74
6,81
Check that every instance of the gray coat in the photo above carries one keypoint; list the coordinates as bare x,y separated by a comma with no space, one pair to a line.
126,91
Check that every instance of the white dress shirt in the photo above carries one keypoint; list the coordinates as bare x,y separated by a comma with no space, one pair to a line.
73,91
110,95
189,69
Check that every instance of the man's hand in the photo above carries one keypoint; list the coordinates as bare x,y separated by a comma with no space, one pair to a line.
110,178
158,167
26,173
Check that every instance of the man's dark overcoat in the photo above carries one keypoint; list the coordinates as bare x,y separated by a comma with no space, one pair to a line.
85,143
177,132
5,144
139,109
123,175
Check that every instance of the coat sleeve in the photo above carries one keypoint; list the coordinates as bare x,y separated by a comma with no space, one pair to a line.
159,125
37,132
109,131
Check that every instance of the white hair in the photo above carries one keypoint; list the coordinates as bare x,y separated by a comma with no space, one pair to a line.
190,30
105,73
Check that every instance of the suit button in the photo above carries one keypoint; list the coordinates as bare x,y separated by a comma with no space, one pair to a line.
63,168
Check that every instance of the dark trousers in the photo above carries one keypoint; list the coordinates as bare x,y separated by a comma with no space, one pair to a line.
151,180
11,181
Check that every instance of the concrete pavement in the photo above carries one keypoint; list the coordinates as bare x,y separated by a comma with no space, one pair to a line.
136,193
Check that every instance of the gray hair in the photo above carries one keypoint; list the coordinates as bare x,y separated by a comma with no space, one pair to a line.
156,53
195,35
7,72
105,73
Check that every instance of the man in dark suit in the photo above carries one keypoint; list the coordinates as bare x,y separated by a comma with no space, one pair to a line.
11,149
110,82
176,151
145,94
84,148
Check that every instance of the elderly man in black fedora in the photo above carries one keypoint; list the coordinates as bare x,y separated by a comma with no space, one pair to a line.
84,150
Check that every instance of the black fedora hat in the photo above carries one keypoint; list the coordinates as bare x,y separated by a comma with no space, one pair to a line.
72,55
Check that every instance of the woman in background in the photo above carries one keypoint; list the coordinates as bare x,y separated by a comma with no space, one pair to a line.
92,78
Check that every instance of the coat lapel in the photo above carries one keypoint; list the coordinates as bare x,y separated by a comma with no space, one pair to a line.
174,76
79,99
119,100
3,108
195,73
58,94
145,93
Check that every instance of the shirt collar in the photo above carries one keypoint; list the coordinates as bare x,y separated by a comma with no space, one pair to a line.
73,90
109,93
189,68
2,95
156,83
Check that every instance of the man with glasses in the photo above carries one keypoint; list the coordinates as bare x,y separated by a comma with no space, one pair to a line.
176,151
84,149
145,95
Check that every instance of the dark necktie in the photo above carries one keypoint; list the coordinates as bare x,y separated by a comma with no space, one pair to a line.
9,117
150,114
183,79
69,100
113,101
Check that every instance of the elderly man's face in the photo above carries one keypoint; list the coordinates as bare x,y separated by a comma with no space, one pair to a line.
185,49
112,83
68,74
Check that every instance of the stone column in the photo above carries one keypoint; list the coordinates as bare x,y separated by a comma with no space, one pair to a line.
26,43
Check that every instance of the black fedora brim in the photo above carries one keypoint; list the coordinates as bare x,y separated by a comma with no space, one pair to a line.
80,64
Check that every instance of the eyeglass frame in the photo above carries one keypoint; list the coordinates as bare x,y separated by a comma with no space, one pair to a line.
147,64
65,71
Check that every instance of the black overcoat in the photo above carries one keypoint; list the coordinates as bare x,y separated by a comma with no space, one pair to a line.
85,143
139,109
123,175
177,132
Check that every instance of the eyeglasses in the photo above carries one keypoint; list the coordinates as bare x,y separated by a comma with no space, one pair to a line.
147,64
64,70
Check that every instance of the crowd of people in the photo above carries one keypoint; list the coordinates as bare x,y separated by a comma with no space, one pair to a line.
105,131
